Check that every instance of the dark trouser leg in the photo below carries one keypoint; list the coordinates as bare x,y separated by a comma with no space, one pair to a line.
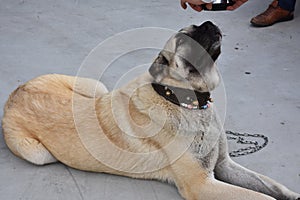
287,4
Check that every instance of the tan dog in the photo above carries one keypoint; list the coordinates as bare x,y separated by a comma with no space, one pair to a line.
160,126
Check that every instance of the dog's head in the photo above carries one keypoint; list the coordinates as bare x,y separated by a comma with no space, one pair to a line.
188,57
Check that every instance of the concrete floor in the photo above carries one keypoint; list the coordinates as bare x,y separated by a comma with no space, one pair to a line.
40,37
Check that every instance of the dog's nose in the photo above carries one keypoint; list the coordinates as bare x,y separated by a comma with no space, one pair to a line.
212,28
208,23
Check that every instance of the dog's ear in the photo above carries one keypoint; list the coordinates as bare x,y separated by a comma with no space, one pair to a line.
159,68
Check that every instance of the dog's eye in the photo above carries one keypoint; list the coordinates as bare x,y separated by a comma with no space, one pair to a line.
190,68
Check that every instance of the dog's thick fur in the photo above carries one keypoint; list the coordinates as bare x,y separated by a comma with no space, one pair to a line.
133,131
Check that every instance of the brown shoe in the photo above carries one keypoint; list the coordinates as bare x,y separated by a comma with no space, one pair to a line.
272,15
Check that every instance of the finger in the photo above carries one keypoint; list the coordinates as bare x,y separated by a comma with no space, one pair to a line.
183,4
197,8
195,2
236,4
230,8
208,6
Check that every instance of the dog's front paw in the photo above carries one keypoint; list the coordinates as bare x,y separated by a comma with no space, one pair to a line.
292,196
297,197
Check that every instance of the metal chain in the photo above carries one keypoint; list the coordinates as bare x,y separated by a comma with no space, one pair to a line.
240,139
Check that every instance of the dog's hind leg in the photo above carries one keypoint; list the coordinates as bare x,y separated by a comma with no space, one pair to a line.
29,149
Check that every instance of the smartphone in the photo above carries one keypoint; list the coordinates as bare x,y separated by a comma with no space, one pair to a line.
219,5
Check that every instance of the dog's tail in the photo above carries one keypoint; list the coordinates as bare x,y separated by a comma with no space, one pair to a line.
53,83
84,86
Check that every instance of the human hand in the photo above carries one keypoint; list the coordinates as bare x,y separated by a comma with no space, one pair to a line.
196,4
237,3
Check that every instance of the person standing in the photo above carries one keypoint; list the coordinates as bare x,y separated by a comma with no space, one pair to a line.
278,10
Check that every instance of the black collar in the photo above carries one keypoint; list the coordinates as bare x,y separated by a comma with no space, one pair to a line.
189,99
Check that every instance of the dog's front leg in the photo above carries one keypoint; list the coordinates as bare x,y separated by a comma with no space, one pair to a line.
188,176
216,190
195,183
230,172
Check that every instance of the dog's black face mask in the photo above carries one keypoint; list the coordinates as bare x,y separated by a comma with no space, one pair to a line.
208,36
